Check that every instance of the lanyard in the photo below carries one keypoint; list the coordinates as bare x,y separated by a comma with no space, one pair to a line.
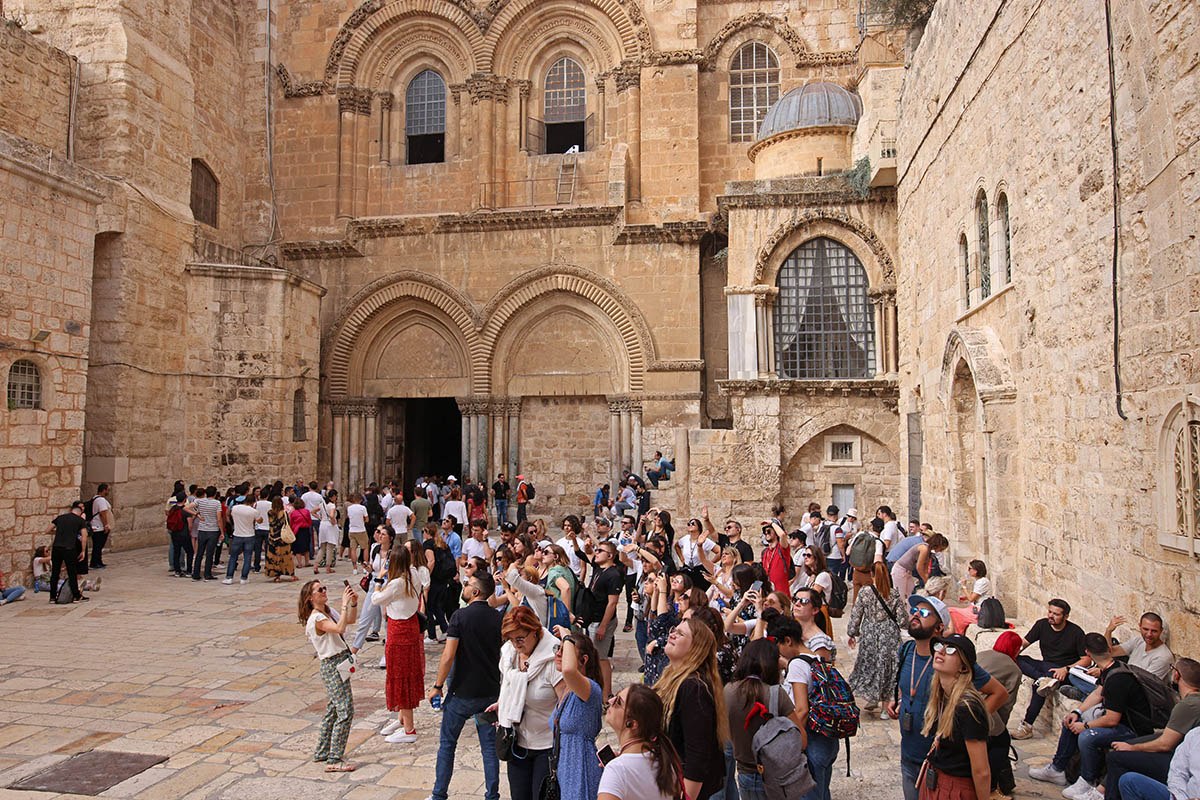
912,689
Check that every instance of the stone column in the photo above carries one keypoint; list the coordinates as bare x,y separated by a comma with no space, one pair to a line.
454,121
601,111
345,166
483,102
482,414
614,443
635,413
513,409
385,128
499,424
464,410
626,436
628,78
371,472
523,87
893,335
880,334
760,325
472,444
355,419
500,131
337,472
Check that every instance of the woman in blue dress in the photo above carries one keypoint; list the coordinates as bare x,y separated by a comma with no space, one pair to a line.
579,714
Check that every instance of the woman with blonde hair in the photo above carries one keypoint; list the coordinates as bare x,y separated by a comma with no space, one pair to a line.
874,628
404,653
957,720
694,707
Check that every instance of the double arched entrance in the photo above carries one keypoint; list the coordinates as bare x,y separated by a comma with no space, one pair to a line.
544,378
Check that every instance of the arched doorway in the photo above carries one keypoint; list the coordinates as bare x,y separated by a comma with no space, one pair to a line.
842,465
968,483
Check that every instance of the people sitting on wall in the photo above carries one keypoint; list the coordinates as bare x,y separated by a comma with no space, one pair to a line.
1183,779
1148,649
662,469
1061,643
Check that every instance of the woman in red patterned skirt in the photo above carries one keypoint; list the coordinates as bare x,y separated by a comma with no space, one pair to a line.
405,652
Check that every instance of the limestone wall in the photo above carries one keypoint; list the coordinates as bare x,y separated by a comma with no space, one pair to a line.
35,89
564,451
1026,460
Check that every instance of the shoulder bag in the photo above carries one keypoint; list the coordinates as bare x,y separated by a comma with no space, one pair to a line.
550,789
886,610
286,534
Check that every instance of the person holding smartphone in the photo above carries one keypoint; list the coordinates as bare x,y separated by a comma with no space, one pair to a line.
646,765
578,715
324,628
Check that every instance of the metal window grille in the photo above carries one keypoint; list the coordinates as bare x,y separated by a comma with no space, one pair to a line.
753,88
985,268
205,194
841,451
887,148
425,105
299,431
1002,211
565,96
1187,479
24,385
824,324
964,256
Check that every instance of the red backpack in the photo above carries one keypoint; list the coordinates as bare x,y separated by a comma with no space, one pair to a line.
176,521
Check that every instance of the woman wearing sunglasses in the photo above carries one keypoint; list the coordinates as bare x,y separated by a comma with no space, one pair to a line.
805,607
324,628
578,714
957,765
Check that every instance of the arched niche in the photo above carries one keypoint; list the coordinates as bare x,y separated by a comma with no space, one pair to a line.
872,471
411,350
522,24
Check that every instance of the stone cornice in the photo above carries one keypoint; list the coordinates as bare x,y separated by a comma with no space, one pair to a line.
676,365
528,219
40,165
669,232
796,133
292,88
316,249
758,290
800,191
882,388
241,272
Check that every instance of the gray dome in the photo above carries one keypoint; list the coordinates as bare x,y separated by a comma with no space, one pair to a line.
809,106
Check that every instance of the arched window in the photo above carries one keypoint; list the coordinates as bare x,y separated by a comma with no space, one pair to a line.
964,267
205,194
564,102
1181,443
985,262
1006,232
753,88
24,385
824,325
425,119
299,432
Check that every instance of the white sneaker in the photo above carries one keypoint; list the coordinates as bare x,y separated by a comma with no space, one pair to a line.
227,581
1048,774
243,581
1076,790
1023,731
1046,686
1093,793
390,728
383,662
402,737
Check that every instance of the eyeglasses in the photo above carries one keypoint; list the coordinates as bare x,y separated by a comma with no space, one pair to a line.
921,612
808,555
948,649
803,601
319,589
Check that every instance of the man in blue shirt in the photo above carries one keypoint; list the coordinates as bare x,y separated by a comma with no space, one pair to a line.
929,619
662,469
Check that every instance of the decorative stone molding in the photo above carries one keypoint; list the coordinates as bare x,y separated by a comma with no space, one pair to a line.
388,227
837,217
669,232
671,58
758,290
627,75
344,406
529,218
830,58
485,86
385,101
869,387
796,133
354,99
983,353
317,250
293,89
524,87
676,365
244,272
830,190
755,19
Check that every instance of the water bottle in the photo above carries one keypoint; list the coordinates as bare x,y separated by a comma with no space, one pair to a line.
436,702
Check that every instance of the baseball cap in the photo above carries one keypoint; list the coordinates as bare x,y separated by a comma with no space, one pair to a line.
451,478
934,603
966,647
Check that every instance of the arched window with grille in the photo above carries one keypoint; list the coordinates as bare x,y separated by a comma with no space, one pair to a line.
985,262
1006,232
205,194
566,123
24,385
299,429
425,119
964,268
753,88
1180,483
824,325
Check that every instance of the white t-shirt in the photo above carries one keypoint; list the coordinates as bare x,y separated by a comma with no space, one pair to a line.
1159,660
393,599
473,548
244,518
798,671
99,504
263,507
691,550
983,588
312,501
387,500
458,509
891,532
576,563
631,776
357,514
824,582
397,517
326,644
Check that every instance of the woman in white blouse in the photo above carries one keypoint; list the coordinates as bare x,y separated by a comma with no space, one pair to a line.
400,599
324,628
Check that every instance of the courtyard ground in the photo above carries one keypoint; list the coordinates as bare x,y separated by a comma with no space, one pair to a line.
221,681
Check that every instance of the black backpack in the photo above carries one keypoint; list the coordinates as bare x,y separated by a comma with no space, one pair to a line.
1159,694
88,513
838,595
444,565
584,605
991,614
530,492
823,537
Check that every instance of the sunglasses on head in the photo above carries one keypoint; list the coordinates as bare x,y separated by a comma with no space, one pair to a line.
921,612
942,647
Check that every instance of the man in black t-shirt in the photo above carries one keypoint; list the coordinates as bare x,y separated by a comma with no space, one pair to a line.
606,590
1061,643
1126,715
70,532
473,645
500,490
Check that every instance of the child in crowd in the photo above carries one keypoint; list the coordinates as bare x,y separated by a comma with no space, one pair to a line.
10,595
41,574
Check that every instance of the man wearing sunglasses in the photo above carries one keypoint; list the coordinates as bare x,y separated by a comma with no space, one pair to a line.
929,618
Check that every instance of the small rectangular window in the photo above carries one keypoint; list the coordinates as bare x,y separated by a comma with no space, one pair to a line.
843,451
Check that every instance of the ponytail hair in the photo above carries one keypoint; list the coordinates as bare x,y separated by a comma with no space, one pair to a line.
644,708
757,670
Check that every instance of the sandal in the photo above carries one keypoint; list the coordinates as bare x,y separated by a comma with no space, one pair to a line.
340,766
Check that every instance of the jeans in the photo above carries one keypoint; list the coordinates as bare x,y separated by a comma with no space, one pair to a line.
69,557
730,789
837,566
11,593
525,774
206,550
1034,669
620,508
260,544
181,544
1080,684
245,546
656,475
370,620
99,539
909,770
1121,763
1139,787
750,786
640,636
822,752
455,713
501,511
1092,745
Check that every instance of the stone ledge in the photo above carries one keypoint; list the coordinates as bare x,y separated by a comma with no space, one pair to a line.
243,272
39,164
867,387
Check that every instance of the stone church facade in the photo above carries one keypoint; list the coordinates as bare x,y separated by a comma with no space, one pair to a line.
367,240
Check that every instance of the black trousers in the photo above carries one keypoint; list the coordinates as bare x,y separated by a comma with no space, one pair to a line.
525,775
630,587
99,539
58,557
1002,772
521,516
1152,765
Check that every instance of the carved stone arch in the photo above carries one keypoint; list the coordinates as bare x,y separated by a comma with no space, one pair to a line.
536,42
373,19
399,287
603,293
880,427
414,40
836,225
755,19
628,25
980,349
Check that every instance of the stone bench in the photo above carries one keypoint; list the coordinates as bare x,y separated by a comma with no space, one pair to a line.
1056,706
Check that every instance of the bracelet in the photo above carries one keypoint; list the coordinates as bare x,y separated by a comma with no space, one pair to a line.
1087,725
568,639
438,686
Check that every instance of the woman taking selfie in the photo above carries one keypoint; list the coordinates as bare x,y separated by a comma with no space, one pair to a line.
957,766
404,652
324,628
647,766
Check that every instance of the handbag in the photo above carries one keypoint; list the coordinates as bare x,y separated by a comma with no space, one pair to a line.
286,534
550,789
506,739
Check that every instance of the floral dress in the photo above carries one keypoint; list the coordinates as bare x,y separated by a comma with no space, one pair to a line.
878,638
579,723
279,555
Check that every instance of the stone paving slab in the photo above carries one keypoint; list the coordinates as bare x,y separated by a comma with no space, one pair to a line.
221,681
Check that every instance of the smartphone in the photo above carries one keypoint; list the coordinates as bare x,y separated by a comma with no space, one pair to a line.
756,586
606,754
345,583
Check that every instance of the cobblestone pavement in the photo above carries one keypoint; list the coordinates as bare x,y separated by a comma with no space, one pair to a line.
221,681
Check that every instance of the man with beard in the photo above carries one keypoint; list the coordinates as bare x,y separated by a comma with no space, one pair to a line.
929,619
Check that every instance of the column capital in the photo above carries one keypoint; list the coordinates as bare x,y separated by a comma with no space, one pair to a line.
524,87
456,89
628,75
354,99
486,86
385,100
624,403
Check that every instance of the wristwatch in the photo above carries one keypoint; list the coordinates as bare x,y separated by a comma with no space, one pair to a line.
438,686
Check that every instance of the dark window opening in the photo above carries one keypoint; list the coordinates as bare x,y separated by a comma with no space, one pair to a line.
562,136
205,194
428,148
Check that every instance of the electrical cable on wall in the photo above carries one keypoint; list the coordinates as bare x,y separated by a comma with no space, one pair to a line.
1116,250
